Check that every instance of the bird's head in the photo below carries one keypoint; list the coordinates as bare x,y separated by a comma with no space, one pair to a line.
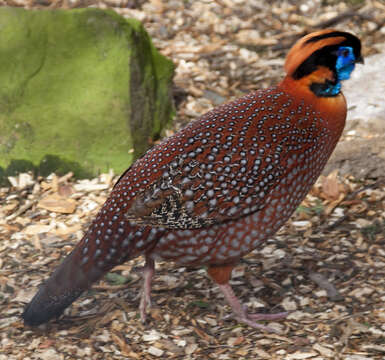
322,59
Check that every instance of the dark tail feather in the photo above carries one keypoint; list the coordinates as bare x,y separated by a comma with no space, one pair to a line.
63,287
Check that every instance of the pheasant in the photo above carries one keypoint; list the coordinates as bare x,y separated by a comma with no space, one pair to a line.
217,189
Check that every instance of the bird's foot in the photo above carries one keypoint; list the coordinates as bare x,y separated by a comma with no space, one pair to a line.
251,319
240,312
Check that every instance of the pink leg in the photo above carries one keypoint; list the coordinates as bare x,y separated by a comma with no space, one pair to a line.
241,314
145,299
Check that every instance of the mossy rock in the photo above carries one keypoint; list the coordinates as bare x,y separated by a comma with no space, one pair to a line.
82,90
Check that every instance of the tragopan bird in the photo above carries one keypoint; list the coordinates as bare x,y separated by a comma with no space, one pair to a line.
217,189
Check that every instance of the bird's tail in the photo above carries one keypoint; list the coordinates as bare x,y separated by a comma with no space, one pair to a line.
64,286
109,241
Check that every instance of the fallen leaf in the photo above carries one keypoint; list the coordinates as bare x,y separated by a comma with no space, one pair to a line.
57,203
331,187
65,190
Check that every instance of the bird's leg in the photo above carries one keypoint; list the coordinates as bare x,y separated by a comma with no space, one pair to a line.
145,299
221,275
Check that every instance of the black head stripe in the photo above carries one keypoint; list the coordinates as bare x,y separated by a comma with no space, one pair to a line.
350,40
323,57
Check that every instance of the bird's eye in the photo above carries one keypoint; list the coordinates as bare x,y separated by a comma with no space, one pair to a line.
345,53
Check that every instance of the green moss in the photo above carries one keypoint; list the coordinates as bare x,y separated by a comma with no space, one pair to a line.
53,163
154,80
19,166
81,88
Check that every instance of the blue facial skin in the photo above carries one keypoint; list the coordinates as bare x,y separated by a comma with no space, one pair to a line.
345,62
344,66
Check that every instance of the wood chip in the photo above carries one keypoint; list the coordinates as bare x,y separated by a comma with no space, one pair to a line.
155,351
298,355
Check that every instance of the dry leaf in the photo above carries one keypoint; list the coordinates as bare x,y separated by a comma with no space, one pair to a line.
123,346
65,190
57,203
331,187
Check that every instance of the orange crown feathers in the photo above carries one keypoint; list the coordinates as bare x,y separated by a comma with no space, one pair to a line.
303,48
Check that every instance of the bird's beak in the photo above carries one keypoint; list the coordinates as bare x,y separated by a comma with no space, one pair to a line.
360,60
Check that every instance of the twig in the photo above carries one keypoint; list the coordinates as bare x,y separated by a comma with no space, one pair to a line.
321,25
21,210
336,19
376,184
335,223
323,283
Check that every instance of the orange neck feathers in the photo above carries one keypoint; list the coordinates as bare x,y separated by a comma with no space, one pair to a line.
333,108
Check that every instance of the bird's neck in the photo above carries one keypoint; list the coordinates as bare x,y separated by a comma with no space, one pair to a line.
331,107
323,83
326,89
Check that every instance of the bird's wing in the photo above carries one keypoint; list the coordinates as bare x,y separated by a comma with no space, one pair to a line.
199,198
204,176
